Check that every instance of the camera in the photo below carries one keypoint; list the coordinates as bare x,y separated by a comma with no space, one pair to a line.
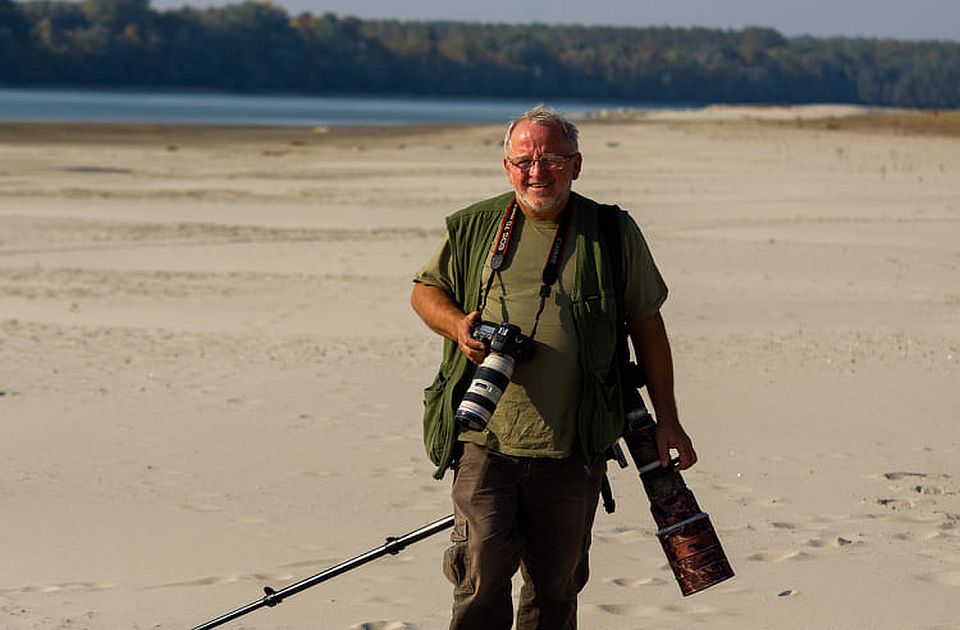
505,339
507,345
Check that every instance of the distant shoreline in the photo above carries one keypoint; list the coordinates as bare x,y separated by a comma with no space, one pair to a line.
222,108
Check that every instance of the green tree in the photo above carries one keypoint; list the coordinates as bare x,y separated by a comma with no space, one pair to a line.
257,47
115,15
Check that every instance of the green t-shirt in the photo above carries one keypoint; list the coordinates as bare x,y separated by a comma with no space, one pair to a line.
536,416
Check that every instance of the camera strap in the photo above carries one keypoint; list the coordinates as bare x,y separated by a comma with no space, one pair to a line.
551,268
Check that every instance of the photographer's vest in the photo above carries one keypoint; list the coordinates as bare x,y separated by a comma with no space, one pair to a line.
600,416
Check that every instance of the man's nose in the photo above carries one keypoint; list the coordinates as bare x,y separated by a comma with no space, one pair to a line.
537,164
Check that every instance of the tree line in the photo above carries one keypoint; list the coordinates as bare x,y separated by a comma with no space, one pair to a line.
257,47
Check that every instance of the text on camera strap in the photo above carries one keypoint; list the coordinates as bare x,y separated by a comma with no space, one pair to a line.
551,268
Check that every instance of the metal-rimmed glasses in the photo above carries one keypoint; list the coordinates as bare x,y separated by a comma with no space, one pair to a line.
547,162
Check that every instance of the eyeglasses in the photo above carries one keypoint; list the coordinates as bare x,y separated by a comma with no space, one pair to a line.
547,162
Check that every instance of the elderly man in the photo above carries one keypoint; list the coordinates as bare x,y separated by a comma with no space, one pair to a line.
526,486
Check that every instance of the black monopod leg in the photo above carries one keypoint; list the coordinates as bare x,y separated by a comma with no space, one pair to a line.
393,546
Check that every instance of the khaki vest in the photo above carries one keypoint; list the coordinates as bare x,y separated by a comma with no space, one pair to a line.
600,417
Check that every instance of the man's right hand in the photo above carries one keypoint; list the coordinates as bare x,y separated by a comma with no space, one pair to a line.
474,349
440,313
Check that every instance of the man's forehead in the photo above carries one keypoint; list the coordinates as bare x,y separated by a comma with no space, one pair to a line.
532,132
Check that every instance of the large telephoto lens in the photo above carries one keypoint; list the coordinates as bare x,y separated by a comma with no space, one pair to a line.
481,399
686,533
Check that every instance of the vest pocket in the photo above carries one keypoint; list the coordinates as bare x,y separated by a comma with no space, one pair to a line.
436,432
597,322
601,413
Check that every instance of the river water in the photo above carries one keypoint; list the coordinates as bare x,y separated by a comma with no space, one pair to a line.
236,109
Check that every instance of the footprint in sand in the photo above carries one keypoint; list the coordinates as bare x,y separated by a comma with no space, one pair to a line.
917,536
896,504
395,472
948,578
834,542
622,535
317,563
87,587
634,582
205,502
631,610
202,507
928,489
645,610
231,579
779,556
728,488
917,482
783,525
897,476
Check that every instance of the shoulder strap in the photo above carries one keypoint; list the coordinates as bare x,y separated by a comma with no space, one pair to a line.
613,244
609,217
611,241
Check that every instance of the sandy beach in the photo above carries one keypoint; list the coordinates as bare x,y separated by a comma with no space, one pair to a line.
211,379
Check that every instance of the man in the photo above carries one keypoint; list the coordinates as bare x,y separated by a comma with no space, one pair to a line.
526,487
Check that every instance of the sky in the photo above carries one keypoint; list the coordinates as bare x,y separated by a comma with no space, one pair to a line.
899,19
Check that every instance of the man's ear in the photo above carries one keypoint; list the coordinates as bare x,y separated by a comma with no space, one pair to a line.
577,165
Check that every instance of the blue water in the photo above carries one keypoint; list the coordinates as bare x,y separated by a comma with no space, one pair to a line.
215,108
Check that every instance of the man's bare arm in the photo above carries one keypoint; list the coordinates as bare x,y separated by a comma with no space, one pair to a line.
652,347
444,317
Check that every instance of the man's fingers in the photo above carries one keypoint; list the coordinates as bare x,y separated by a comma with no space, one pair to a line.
472,348
674,439
688,457
663,449
473,355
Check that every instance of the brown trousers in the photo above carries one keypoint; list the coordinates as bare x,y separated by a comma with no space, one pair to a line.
534,514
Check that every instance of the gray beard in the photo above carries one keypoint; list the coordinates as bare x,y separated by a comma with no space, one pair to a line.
544,209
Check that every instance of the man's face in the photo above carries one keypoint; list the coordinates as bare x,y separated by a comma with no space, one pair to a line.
541,192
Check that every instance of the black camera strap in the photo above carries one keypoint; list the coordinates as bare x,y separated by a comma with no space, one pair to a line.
551,268
502,242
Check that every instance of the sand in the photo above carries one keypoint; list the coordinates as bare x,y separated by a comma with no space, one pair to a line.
211,378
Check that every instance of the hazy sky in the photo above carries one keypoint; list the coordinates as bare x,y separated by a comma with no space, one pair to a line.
903,19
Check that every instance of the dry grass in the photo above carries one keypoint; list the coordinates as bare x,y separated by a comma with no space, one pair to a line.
923,123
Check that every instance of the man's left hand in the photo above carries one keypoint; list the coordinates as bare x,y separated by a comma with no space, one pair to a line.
670,435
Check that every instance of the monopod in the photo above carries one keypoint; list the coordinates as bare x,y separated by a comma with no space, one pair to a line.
392,546
686,534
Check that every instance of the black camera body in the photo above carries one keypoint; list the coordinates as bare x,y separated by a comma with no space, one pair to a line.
507,345
504,338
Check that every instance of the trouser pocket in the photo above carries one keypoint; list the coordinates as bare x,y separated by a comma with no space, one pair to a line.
456,559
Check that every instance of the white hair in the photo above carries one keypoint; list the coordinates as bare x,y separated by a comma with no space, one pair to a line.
545,117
